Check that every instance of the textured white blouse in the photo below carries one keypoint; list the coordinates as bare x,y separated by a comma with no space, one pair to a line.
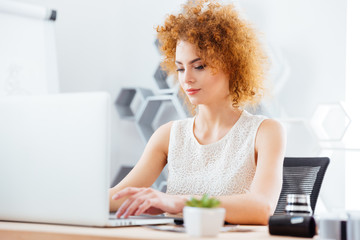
222,168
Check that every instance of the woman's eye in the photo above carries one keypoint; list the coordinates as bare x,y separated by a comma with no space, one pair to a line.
180,70
200,67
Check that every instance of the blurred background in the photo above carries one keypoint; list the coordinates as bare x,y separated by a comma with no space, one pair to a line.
110,45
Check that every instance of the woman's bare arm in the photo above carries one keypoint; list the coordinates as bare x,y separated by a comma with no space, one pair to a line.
149,167
256,206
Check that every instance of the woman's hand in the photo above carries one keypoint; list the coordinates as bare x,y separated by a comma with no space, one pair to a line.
148,201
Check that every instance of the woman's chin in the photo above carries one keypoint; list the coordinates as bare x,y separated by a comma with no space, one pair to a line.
194,102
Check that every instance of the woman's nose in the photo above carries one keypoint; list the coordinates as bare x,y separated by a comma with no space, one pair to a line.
188,77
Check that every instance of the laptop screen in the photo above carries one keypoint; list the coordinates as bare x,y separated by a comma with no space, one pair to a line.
54,158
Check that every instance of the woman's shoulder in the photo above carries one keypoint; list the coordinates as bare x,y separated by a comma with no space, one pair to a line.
160,138
164,129
266,128
271,125
271,130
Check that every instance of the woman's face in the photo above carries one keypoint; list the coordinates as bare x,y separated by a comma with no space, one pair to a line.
200,84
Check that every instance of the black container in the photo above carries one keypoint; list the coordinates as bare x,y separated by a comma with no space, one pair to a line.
292,225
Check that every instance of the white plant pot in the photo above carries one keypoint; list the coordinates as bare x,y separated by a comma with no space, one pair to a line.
203,222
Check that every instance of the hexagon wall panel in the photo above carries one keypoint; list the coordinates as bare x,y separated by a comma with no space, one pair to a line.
150,110
125,99
330,122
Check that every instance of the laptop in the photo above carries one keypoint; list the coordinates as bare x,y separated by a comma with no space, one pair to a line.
55,160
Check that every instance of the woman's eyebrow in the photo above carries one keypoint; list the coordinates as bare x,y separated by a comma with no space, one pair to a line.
192,61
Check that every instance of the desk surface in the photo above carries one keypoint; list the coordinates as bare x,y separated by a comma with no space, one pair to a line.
32,231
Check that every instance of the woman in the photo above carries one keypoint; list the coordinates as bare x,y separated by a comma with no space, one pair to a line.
223,150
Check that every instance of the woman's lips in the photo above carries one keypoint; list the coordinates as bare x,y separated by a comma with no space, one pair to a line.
192,91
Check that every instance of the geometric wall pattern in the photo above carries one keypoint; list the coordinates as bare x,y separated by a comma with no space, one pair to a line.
149,110
330,122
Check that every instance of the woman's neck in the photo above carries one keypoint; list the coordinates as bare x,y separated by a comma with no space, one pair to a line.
217,115
213,123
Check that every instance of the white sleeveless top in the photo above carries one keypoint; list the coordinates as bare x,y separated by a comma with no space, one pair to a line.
222,168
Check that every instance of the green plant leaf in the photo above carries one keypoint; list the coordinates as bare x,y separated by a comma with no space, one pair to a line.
204,202
214,203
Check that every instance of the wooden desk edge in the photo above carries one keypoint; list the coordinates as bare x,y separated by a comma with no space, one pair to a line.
39,231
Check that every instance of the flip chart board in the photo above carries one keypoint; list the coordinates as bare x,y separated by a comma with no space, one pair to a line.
28,64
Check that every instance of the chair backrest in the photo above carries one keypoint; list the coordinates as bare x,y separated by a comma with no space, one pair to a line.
302,176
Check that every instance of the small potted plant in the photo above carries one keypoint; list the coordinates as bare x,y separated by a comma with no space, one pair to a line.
203,218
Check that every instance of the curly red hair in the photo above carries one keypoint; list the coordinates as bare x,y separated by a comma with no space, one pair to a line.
223,40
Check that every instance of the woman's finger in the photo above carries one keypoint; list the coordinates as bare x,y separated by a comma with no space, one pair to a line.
133,207
148,203
125,192
124,210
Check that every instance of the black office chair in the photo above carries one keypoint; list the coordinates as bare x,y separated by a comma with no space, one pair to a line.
302,176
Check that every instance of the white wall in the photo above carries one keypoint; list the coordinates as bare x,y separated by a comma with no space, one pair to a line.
108,44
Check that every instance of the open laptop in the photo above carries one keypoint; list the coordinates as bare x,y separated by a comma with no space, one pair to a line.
55,160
